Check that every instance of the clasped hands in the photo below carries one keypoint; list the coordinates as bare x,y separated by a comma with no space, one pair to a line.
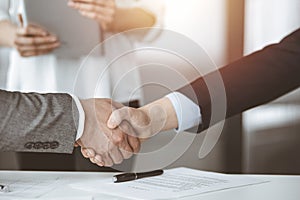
113,132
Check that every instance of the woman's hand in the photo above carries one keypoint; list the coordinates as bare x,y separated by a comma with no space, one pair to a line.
34,40
102,11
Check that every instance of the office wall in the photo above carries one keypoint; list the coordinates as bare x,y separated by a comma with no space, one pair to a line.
268,21
271,132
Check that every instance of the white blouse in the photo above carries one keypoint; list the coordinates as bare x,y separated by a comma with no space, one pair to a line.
47,73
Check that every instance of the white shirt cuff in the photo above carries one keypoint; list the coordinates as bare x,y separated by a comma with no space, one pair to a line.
81,117
188,113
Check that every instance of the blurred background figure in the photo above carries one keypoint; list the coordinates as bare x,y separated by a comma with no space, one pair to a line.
35,67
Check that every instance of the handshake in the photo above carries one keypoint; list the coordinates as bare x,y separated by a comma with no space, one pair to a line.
113,132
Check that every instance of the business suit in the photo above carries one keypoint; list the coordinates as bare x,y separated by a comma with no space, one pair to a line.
37,123
251,81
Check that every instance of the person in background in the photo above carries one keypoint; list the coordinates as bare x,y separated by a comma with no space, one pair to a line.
118,16
33,67
121,15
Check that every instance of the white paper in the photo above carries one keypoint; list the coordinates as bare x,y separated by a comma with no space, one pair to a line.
68,198
65,198
29,188
174,183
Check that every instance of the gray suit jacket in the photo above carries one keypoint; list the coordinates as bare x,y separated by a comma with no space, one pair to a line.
37,122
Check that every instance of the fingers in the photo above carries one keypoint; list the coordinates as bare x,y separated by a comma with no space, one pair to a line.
38,47
132,142
101,10
33,46
32,30
99,161
126,154
92,8
108,3
116,155
117,117
120,137
95,161
97,16
136,118
22,40
88,152
34,40
107,161
102,159
91,154
135,143
76,144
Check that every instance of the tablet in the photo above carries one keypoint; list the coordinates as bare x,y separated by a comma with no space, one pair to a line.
78,35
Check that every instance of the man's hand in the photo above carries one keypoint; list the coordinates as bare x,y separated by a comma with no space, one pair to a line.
102,145
141,121
34,40
102,11
146,121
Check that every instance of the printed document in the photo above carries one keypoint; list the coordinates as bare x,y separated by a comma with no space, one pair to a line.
30,188
174,183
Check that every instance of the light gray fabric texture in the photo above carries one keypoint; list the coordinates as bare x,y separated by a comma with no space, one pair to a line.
34,122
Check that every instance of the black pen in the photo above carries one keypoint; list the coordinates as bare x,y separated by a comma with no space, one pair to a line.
134,176
4,188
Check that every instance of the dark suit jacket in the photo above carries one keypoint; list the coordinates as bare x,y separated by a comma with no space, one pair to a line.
251,81
37,122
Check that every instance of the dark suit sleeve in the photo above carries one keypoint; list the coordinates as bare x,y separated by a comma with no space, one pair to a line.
37,123
251,81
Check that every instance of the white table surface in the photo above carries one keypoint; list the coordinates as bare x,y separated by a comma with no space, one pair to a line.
278,187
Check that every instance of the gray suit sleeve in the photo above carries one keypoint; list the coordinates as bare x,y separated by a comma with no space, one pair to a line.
37,122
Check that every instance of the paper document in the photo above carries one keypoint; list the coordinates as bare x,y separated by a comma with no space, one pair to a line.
68,198
174,183
29,188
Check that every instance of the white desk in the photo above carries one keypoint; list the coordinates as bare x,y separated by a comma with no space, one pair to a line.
279,187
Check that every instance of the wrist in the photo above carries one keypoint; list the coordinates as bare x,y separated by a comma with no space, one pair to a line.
12,35
8,33
161,114
110,25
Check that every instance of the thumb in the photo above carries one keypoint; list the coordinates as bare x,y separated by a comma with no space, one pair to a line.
117,117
